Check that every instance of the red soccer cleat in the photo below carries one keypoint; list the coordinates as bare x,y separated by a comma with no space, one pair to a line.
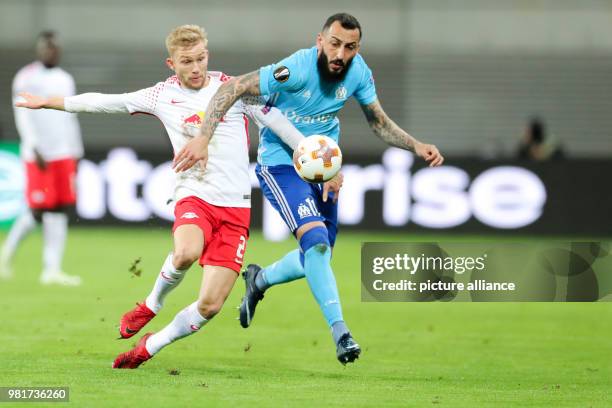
134,357
134,320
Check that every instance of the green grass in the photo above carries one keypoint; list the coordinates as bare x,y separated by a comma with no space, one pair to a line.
438,354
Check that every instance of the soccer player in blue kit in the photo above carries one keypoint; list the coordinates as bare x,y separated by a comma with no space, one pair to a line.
309,87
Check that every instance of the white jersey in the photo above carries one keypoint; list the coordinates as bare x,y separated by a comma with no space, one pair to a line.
54,134
225,181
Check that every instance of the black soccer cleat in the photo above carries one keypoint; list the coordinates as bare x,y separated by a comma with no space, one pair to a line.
347,350
252,295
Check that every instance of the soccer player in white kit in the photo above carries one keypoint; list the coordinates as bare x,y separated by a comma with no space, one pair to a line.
212,211
50,147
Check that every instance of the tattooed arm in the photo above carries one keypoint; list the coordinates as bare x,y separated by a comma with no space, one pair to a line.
226,96
196,150
393,135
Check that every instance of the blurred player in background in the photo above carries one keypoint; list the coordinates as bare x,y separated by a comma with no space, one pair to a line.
51,147
537,144
212,211
309,87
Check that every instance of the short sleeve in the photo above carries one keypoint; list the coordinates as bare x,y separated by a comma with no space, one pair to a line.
288,75
366,92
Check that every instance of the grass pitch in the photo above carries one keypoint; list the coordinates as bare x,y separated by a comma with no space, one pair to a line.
437,354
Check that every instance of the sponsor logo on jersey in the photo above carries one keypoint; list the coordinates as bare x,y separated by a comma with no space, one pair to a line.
281,74
321,118
190,215
194,120
341,92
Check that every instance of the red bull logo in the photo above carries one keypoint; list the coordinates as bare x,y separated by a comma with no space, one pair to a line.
194,120
197,119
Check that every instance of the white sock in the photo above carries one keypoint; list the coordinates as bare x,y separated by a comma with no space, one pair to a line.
186,322
55,230
20,229
168,279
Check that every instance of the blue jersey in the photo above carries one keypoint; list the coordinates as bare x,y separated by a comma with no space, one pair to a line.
294,86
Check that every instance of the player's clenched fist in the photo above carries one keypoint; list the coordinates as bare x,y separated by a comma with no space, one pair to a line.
196,150
429,153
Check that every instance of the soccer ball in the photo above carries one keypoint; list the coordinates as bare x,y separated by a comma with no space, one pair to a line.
317,159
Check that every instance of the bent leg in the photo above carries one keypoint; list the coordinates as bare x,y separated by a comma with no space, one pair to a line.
217,283
188,246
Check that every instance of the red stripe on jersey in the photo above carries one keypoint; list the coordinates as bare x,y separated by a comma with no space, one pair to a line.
246,129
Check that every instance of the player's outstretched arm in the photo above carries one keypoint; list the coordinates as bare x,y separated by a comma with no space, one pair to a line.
196,150
30,101
87,102
393,135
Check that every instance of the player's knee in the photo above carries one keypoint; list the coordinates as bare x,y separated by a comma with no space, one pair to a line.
208,308
322,248
317,238
183,258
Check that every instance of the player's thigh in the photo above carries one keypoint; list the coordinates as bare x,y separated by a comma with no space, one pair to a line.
191,230
189,239
64,181
329,211
217,284
293,198
40,191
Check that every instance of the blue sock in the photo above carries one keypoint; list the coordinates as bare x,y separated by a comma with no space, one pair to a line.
320,277
286,269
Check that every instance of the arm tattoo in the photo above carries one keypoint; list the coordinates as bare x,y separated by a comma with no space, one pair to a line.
226,96
385,128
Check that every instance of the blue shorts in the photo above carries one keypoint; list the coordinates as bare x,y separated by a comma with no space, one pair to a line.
297,201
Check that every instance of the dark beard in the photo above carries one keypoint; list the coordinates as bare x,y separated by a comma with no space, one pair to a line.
326,74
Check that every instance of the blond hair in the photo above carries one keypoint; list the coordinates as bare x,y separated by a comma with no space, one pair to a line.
185,36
